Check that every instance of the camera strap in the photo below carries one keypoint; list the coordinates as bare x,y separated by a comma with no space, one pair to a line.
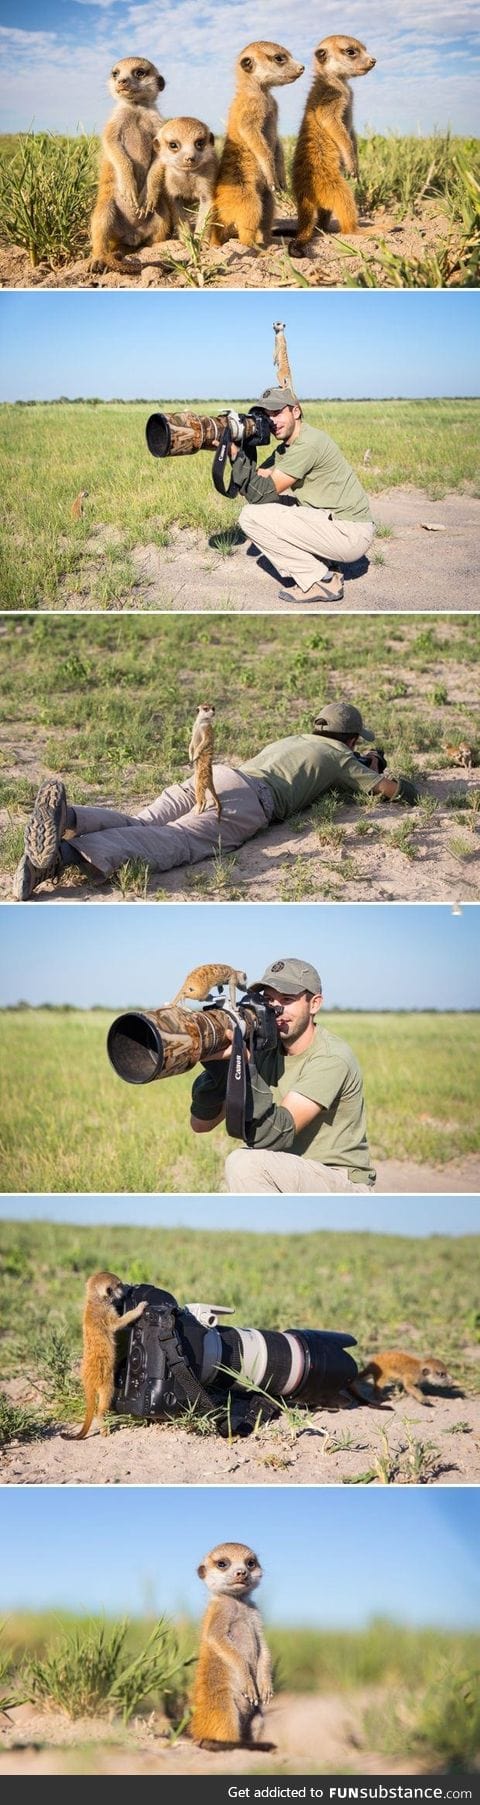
236,1092
184,1379
220,460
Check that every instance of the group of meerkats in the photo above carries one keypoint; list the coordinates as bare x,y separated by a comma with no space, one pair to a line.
153,173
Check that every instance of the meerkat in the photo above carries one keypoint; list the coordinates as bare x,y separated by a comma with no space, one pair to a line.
395,1367
234,1673
188,168
462,754
128,208
200,753
101,1324
252,163
76,509
200,981
326,141
280,357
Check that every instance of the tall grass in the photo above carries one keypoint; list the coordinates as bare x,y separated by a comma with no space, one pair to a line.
438,1719
90,1672
48,188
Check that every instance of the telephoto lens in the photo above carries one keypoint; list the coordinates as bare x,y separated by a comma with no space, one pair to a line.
180,435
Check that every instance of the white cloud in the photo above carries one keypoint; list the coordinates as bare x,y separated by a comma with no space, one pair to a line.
423,77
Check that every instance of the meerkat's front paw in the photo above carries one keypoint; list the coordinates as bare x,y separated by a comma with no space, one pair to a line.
266,1695
130,200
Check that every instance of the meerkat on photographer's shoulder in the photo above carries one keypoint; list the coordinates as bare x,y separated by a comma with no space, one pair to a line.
252,164
200,753
234,1672
326,142
187,168
201,980
102,1322
128,208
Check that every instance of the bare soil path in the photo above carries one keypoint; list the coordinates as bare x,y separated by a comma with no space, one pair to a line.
338,1446
312,1734
431,561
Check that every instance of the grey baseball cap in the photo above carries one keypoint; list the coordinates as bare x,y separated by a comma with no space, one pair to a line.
342,717
290,976
274,399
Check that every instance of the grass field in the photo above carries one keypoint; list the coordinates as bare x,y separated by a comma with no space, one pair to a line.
69,1124
368,1283
77,1673
50,452
48,187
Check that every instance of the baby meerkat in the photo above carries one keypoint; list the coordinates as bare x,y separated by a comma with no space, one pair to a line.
462,754
200,753
101,1323
394,1367
128,211
326,141
201,981
188,166
234,1673
252,163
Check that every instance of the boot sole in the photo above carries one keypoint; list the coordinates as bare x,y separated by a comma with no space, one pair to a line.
46,826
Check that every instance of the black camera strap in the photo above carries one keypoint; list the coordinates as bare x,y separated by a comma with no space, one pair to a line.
220,460
183,1378
236,1093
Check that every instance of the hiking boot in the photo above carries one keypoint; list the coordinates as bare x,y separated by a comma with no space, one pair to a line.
46,826
331,591
26,880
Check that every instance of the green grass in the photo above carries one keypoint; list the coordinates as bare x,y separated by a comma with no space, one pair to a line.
368,1284
109,702
67,1123
49,452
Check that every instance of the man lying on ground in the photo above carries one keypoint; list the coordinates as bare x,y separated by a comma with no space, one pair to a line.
286,776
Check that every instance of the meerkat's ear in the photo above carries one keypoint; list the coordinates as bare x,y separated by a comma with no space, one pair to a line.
201,1571
320,56
160,81
246,62
211,137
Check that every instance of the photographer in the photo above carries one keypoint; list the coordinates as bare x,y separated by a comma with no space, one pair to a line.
305,1127
286,776
305,507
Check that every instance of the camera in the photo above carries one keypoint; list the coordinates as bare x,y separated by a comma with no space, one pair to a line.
180,435
179,1358
160,1043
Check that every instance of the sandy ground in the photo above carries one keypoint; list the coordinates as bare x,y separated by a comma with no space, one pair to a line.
334,259
337,1446
312,1734
431,562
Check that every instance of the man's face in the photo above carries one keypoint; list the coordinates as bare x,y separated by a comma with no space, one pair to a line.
297,1013
282,424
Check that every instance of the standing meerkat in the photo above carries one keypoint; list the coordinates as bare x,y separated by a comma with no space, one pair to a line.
326,141
280,357
101,1324
76,509
234,1672
201,980
252,164
188,168
461,754
200,753
394,1367
127,211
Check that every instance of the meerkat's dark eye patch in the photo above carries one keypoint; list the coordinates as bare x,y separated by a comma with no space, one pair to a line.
279,59
173,145
223,1565
114,74
350,50
200,143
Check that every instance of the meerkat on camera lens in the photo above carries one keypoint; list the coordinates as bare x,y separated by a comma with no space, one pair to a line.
101,1324
188,167
200,982
234,1673
200,753
252,164
397,1368
326,142
128,209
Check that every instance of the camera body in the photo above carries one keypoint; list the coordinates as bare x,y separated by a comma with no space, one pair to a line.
173,1358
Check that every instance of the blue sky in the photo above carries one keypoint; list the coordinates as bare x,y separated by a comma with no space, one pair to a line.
57,57
371,956
219,345
409,1554
287,1215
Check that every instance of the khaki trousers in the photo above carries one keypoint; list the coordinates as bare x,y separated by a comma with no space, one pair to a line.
303,542
168,831
252,1174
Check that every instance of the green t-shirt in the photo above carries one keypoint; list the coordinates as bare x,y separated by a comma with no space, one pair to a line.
300,768
323,479
328,1073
